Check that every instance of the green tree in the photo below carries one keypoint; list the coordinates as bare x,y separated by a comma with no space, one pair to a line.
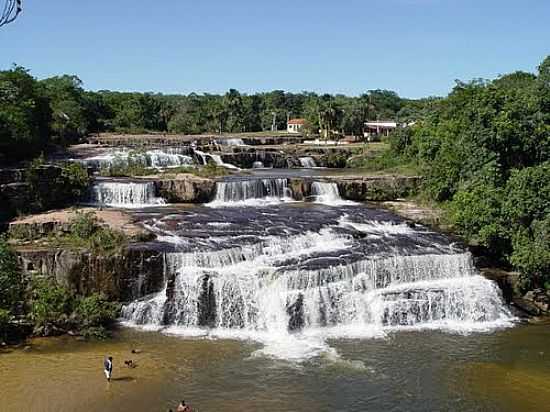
24,115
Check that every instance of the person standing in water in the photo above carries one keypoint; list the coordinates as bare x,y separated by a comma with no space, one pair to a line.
108,367
183,407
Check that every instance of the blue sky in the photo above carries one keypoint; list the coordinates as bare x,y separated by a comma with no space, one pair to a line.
415,47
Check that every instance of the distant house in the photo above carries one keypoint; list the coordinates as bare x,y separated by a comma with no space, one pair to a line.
295,125
379,128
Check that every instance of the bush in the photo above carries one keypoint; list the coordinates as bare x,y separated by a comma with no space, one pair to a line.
10,277
55,310
94,314
53,187
50,307
86,231
84,224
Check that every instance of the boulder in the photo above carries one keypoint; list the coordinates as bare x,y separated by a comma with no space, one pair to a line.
186,188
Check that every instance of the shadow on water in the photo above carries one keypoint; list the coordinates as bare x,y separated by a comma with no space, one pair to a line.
124,379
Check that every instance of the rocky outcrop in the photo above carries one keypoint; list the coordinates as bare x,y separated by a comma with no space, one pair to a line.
377,188
185,188
135,272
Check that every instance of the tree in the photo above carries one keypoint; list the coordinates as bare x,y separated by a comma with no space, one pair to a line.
24,115
71,118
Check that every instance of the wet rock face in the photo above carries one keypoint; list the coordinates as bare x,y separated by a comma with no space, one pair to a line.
539,299
136,272
295,312
377,188
190,189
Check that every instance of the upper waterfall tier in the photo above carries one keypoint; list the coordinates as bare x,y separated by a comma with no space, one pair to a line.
124,194
252,192
157,158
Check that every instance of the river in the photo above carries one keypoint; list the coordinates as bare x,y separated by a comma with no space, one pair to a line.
269,304
506,370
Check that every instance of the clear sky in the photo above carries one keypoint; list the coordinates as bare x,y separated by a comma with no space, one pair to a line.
415,47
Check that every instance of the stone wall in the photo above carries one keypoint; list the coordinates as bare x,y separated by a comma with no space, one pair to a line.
135,272
376,188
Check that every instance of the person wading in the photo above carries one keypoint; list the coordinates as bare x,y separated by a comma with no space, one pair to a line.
108,367
182,407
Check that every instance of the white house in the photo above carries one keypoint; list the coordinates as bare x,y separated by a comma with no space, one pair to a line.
377,128
295,125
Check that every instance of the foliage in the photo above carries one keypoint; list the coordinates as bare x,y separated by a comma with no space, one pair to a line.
53,187
87,232
10,277
24,115
53,309
485,151
95,311
50,305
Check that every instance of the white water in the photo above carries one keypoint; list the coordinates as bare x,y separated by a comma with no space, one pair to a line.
307,162
251,292
158,158
231,142
124,194
215,158
327,193
251,192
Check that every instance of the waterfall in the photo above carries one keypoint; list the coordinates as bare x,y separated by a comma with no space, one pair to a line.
124,194
328,194
219,162
291,290
217,159
307,162
231,142
158,158
251,192
249,288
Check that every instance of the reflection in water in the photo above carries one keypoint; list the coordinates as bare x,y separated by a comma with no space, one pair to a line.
506,370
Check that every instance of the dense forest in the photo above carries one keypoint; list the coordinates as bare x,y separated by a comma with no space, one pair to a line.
35,112
485,154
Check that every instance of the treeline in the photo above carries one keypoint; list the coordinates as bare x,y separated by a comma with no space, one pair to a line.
35,113
485,153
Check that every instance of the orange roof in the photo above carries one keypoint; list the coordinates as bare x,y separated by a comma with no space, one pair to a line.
297,121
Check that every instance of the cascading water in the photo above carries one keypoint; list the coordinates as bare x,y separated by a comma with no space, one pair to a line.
124,194
158,158
344,277
328,194
307,162
217,159
251,192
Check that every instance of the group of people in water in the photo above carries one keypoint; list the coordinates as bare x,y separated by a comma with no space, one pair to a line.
108,370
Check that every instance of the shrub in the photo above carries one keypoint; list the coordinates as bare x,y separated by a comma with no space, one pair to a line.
94,313
531,253
50,306
10,277
53,187
84,224
55,310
